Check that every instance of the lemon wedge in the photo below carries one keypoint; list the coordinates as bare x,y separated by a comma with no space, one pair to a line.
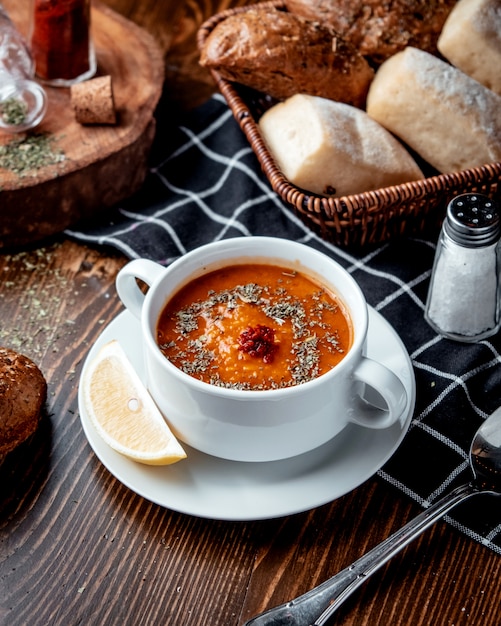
123,412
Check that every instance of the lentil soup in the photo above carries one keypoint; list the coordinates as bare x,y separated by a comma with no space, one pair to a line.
254,327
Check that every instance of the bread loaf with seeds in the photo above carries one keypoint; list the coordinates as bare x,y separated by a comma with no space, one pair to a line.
380,28
23,391
282,54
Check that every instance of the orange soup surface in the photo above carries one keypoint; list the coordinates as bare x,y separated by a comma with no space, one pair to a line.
254,327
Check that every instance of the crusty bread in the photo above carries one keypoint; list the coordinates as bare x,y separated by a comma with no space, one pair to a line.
23,391
448,118
282,54
471,40
380,28
339,151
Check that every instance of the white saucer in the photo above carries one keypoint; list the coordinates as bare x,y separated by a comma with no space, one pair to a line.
214,488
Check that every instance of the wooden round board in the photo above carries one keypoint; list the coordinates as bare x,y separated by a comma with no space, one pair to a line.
103,164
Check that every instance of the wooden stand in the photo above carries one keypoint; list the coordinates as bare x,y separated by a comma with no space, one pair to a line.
103,165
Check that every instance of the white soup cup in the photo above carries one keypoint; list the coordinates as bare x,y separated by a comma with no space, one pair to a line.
272,424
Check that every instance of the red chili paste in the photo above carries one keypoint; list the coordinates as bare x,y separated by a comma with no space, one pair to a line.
259,342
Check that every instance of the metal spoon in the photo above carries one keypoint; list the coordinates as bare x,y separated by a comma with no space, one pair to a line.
315,607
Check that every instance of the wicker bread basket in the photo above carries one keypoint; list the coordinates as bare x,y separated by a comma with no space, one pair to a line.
357,220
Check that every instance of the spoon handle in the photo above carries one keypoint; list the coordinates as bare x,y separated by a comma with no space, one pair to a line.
316,606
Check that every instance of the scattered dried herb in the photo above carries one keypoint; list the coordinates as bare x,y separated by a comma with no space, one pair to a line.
13,111
29,153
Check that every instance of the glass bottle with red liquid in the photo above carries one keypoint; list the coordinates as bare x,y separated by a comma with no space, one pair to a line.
61,43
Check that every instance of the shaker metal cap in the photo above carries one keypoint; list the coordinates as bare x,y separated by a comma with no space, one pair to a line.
473,220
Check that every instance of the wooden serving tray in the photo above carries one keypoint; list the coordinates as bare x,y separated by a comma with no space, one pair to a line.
103,165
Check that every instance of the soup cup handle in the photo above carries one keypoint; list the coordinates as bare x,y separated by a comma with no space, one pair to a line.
380,383
127,286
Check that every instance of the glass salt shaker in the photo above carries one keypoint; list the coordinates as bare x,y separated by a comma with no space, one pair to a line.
23,102
463,296
61,41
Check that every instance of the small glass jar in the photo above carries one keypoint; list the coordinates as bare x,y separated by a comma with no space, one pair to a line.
23,102
463,301
61,42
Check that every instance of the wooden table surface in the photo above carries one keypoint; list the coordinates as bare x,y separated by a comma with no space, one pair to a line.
78,547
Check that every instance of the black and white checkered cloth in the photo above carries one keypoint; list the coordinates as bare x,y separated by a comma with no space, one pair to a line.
205,184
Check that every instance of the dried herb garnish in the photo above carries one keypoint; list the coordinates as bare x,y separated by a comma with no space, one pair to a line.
306,367
13,111
29,153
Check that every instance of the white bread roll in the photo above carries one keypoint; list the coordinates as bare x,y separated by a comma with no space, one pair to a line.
471,40
448,118
331,148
